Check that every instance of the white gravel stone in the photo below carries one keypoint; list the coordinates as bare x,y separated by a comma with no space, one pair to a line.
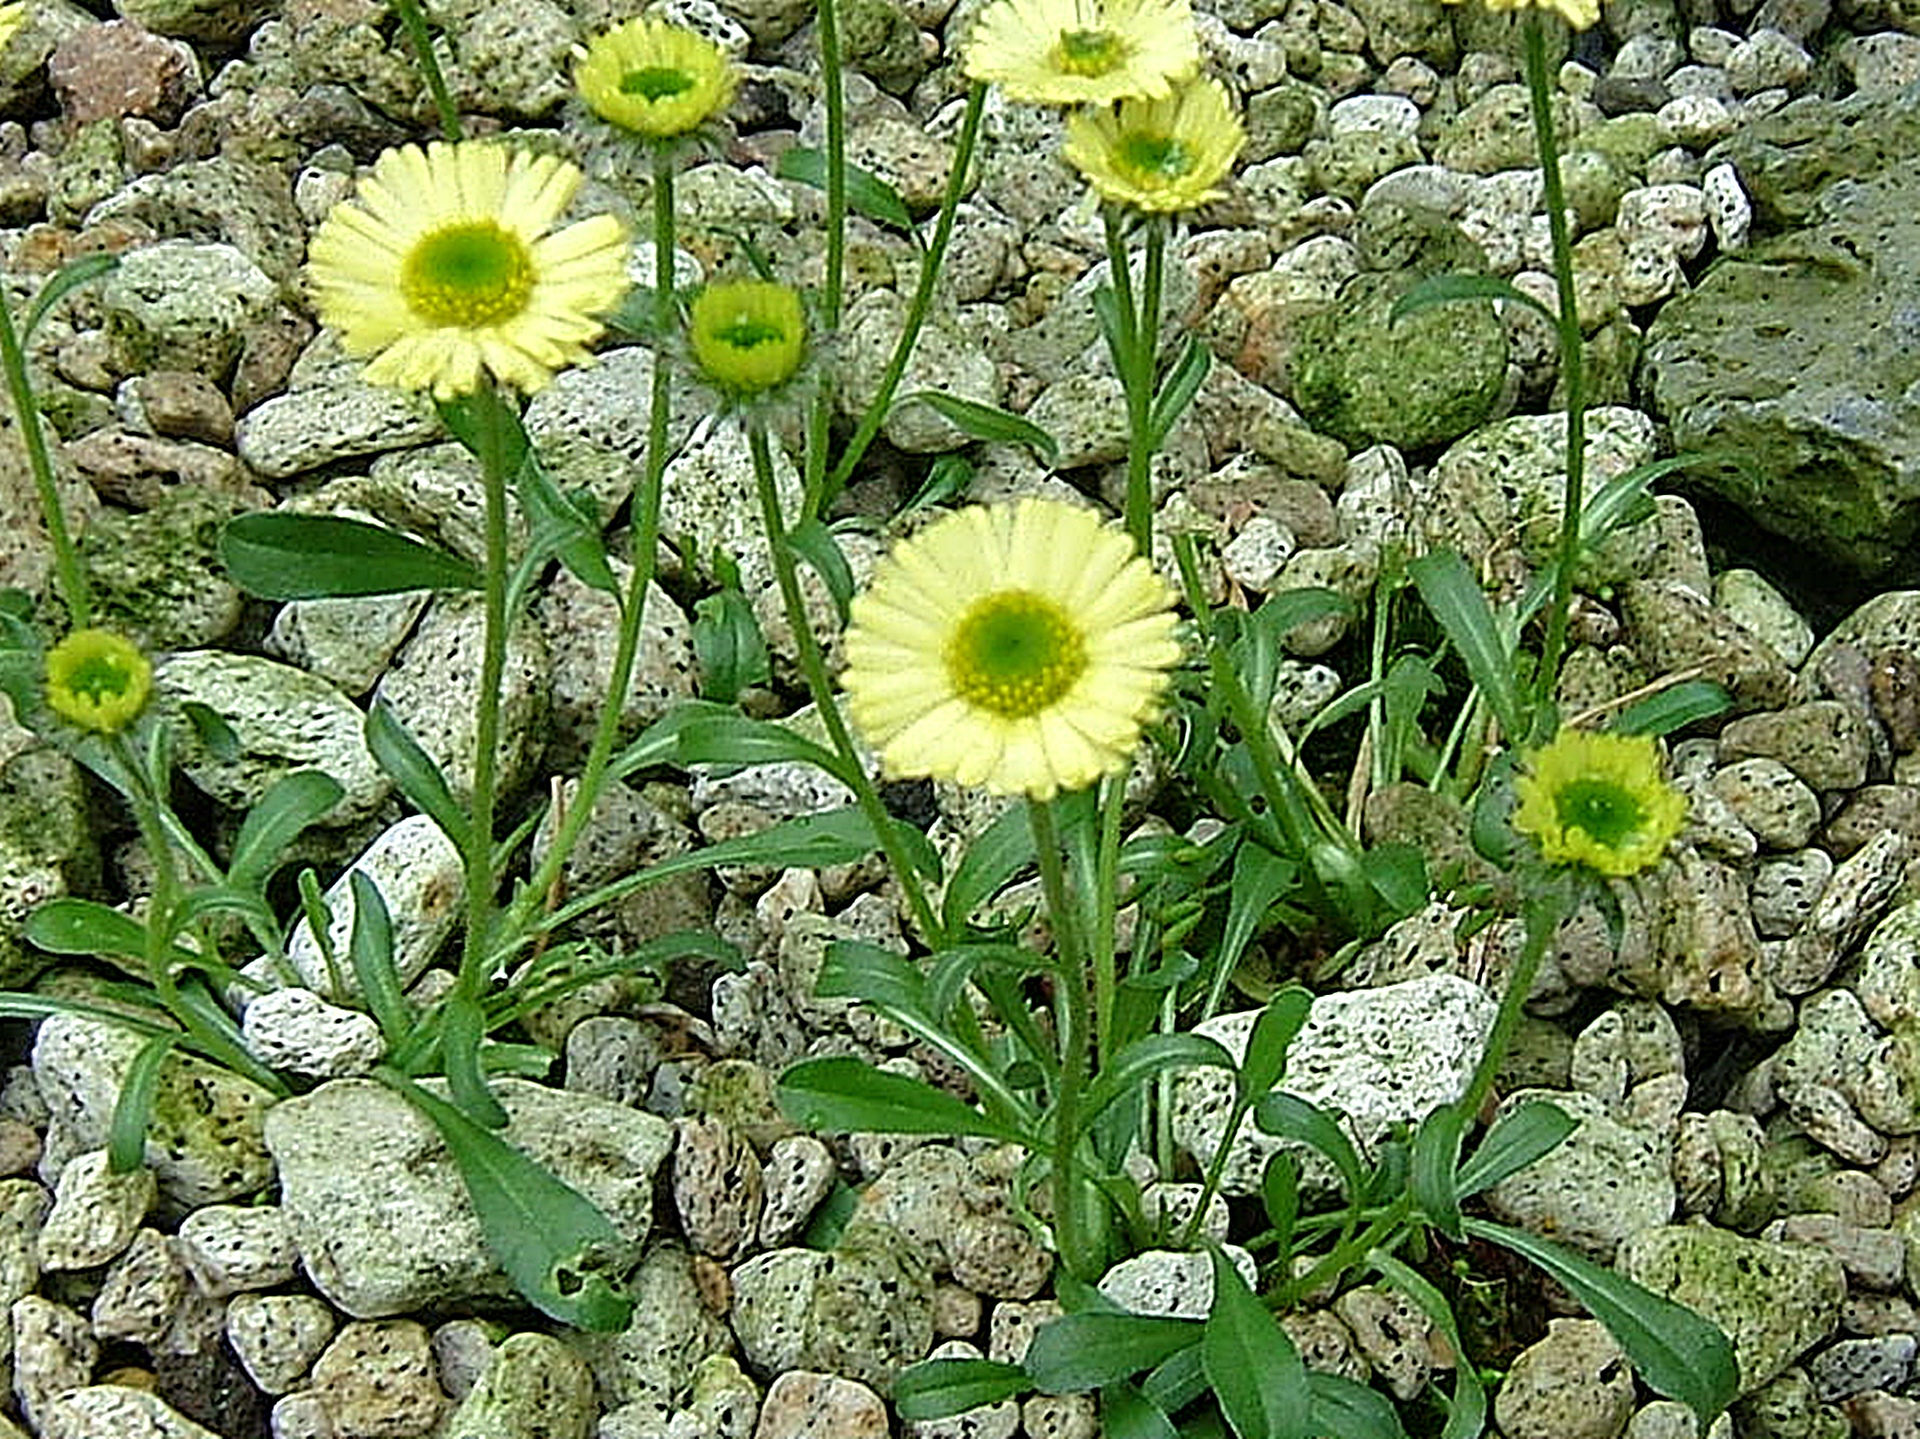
102,1410
95,1212
278,1336
1729,211
296,1029
230,1248
1172,1283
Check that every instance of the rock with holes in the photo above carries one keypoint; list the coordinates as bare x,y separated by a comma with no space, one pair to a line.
1573,1384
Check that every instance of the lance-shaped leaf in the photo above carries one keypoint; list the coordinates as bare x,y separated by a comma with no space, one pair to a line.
308,557
1256,1373
841,1094
1094,1348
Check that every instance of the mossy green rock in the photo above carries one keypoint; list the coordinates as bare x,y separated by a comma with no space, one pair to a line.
536,1388
882,41
157,576
46,849
1414,384
1787,159
1802,358
1774,1301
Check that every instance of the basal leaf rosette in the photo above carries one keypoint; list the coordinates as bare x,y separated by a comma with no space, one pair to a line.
1160,156
446,267
98,680
1083,52
1598,801
656,79
1018,648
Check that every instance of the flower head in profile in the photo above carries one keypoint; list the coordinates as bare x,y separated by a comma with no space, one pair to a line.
1160,155
98,680
749,336
1083,52
446,266
656,79
1578,13
12,17
1598,800
1015,647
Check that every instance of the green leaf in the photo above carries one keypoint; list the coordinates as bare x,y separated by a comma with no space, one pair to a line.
83,926
942,1388
482,420
1674,1350
1346,1409
309,557
1436,1155
867,193
1292,1117
1177,390
701,732
565,526
1460,605
997,854
1094,1348
840,1094
1280,1198
1672,708
1511,1143
133,1109
1260,878
815,544
728,646
462,1028
1274,1031
68,278
419,778
211,729
370,951
551,1239
986,422
854,969
1467,1407
1126,1413
1447,289
1256,1373
1151,1055
947,478
290,804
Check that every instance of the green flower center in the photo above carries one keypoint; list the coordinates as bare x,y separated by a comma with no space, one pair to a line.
1091,53
1163,157
747,331
656,82
1607,813
99,678
1015,654
468,275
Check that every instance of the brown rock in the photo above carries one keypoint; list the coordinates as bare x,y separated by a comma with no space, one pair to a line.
104,72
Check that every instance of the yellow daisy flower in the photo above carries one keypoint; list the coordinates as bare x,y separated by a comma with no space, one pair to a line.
443,267
1083,52
1015,647
656,79
12,17
98,680
1159,155
748,335
1598,800
1578,13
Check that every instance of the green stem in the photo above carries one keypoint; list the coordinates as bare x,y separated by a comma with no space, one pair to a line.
74,590
1070,1020
1139,384
415,21
832,291
1572,372
931,264
1106,903
813,667
491,449
1387,1231
1541,913
644,533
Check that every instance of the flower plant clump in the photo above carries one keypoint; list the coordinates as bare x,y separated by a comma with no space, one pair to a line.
1028,650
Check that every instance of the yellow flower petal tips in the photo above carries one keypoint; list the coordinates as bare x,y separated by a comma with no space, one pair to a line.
1578,13
1083,52
1160,156
1600,801
655,79
98,680
12,17
1016,647
446,266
